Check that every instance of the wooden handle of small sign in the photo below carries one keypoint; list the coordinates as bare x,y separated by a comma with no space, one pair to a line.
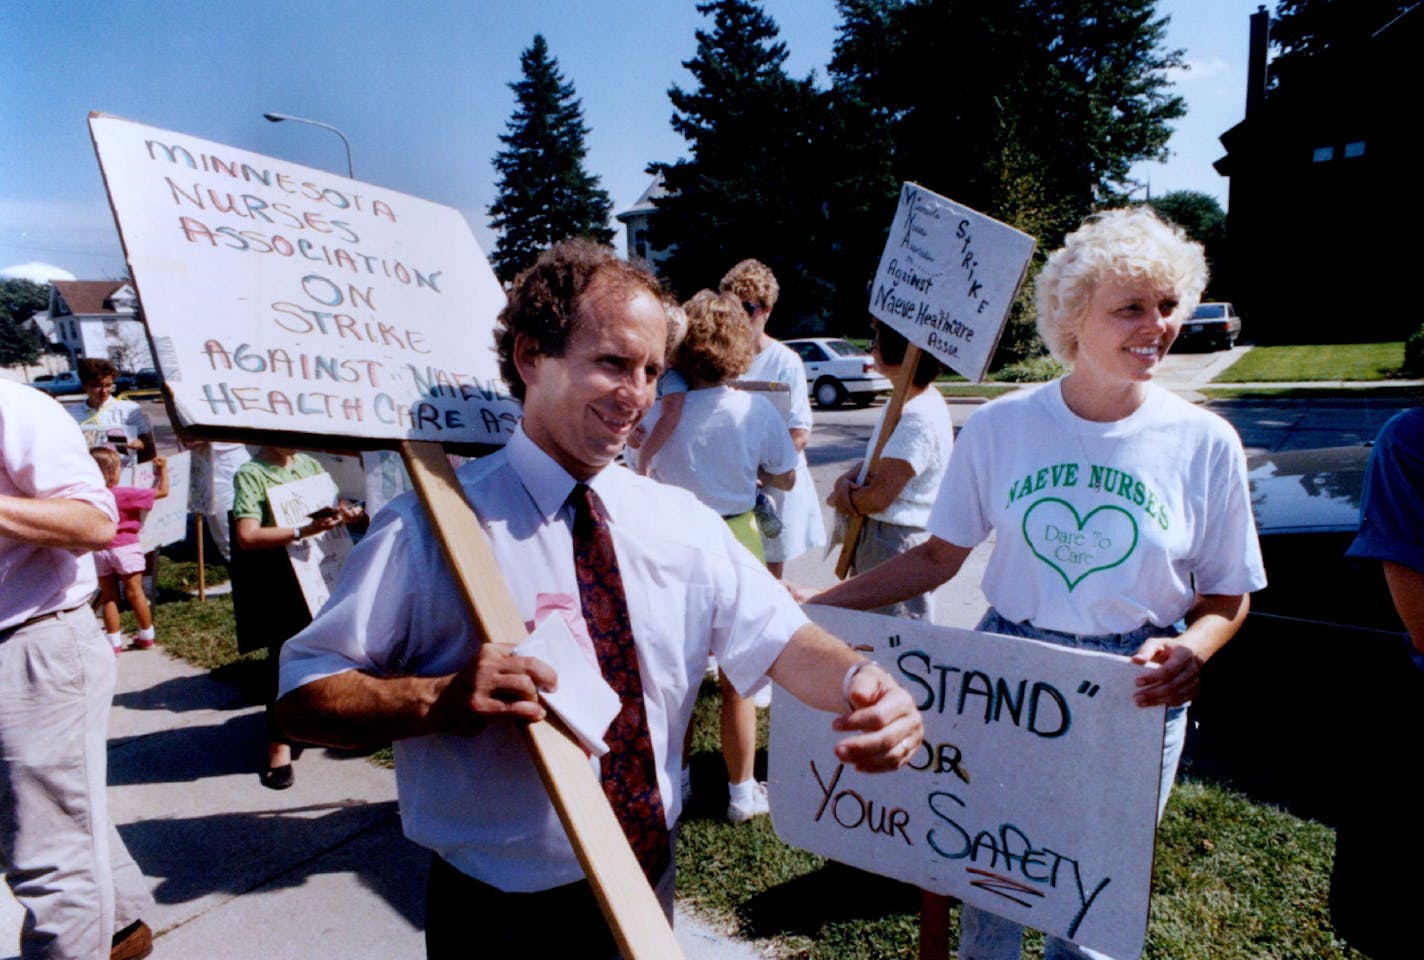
934,926
903,379
202,573
634,915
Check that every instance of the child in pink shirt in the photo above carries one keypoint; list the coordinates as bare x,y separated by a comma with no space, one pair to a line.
123,559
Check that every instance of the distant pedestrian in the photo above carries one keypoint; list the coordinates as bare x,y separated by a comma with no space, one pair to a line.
105,419
120,565
267,599
802,530
895,498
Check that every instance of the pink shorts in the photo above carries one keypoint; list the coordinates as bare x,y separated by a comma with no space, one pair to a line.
120,560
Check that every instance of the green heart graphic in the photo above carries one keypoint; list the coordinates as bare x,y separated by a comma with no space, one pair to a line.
1073,545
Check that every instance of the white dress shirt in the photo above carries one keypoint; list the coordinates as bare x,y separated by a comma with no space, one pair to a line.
43,457
691,588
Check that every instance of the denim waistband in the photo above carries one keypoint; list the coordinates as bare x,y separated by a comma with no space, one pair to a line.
1120,643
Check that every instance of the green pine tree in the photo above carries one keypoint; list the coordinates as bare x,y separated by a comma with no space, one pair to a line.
545,194
754,184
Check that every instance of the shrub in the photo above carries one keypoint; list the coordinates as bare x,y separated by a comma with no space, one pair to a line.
1414,354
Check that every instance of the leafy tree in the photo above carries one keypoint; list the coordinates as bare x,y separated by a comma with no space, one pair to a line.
1305,30
754,184
20,300
545,195
1032,111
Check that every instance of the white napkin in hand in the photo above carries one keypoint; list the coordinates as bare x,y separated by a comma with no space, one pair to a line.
583,700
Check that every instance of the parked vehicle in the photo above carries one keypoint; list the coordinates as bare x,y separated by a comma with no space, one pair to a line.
837,370
1213,325
1281,706
58,384
147,379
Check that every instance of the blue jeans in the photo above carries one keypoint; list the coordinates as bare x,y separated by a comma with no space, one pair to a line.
986,936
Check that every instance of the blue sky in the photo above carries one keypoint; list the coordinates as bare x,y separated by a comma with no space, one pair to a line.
419,89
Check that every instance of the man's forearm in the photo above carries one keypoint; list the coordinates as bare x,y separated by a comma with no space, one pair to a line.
353,709
67,524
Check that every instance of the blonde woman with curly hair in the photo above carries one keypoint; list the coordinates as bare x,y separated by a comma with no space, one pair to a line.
1174,556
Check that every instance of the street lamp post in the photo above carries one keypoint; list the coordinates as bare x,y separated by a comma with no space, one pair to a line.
279,117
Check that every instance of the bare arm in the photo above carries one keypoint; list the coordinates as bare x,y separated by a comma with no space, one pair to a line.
885,726
781,481
1212,620
799,438
669,415
911,573
251,535
160,476
876,494
1406,588
356,709
67,524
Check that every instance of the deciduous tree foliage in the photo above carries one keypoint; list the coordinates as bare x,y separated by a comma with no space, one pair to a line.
545,194
19,300
1305,30
1032,111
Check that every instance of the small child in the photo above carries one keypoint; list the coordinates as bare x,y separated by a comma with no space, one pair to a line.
123,559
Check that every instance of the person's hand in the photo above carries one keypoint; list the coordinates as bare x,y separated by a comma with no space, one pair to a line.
889,724
497,683
160,463
636,438
135,444
1177,677
799,593
839,497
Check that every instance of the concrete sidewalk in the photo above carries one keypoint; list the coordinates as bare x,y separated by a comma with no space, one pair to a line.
239,871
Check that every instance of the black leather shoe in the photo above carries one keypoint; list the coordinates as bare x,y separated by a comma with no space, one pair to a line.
279,778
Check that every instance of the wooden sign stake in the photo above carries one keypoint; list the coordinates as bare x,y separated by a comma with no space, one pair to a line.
892,418
634,915
934,926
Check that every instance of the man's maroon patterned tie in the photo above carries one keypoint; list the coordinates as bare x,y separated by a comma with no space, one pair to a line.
629,770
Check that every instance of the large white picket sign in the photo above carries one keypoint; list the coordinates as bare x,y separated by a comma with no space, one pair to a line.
948,277
283,298
1034,795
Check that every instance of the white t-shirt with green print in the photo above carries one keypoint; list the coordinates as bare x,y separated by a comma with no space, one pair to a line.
1101,527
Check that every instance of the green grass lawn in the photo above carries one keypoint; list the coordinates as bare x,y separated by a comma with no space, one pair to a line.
1339,361
1233,879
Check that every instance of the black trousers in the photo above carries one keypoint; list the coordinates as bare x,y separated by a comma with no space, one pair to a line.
466,919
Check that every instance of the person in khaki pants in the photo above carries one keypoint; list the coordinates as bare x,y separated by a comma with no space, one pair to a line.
63,860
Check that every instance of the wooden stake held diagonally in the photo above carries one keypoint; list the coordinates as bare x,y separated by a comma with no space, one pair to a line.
903,379
633,913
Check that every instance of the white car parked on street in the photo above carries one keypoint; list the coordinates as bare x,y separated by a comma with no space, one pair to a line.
837,370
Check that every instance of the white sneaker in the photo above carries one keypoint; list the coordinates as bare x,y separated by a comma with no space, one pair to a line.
758,807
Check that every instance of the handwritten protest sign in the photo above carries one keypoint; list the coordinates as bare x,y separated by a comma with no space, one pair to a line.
1034,795
281,298
315,560
948,277
167,522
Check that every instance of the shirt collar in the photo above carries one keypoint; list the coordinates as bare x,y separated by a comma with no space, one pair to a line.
548,483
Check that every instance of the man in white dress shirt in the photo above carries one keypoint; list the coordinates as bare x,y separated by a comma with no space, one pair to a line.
581,342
